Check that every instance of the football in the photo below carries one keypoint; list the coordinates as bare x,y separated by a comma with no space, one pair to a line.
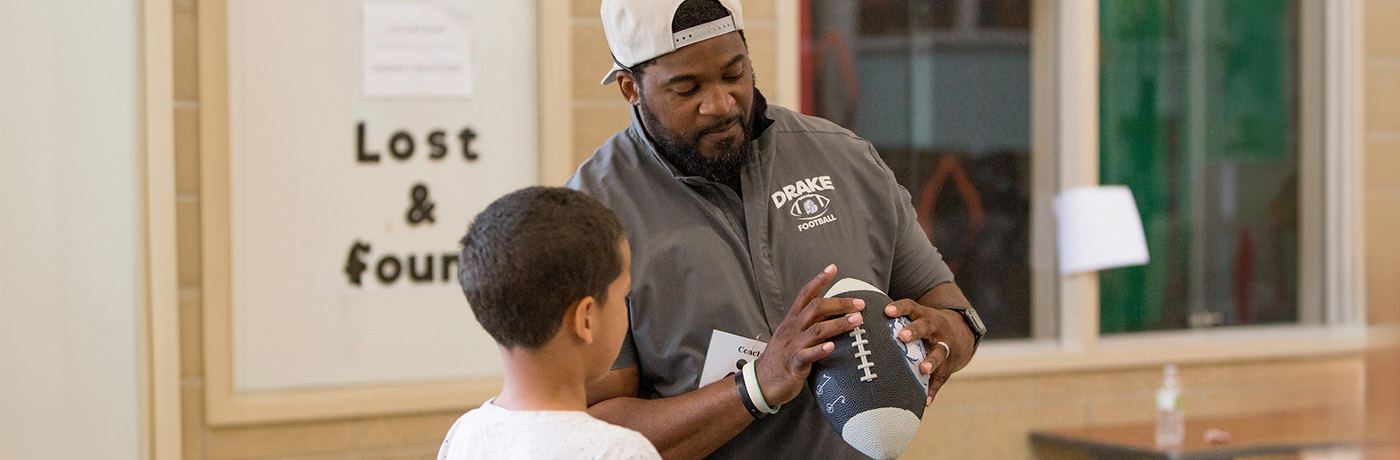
869,388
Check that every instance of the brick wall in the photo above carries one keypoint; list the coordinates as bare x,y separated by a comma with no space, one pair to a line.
991,418
1382,145
1382,130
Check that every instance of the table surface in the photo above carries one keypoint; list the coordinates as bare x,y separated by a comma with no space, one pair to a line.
1261,434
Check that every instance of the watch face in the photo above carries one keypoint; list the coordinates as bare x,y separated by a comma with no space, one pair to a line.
976,321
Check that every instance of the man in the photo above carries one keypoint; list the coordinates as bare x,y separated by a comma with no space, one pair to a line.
732,206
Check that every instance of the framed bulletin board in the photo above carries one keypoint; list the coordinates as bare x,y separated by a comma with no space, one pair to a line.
345,146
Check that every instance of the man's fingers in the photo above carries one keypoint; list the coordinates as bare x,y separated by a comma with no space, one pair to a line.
935,383
813,289
918,329
833,327
933,365
934,356
905,307
821,309
806,356
925,323
921,325
792,348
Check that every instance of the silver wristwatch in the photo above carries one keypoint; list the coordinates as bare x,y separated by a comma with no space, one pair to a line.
974,322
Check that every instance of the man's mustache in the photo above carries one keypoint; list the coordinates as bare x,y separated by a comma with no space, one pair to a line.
736,118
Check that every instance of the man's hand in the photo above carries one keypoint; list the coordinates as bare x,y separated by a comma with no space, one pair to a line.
802,339
934,325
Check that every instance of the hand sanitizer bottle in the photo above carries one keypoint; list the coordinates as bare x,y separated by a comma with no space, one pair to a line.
1171,422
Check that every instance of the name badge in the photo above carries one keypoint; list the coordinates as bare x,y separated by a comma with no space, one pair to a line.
728,353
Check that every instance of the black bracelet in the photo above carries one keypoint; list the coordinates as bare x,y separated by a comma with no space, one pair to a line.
744,396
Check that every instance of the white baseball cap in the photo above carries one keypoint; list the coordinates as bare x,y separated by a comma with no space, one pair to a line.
640,30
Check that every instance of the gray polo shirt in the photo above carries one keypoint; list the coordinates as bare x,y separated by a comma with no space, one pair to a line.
704,259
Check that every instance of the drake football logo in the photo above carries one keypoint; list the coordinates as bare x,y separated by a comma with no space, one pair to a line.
807,204
802,189
808,207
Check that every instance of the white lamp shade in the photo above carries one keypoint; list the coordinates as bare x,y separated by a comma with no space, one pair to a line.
1098,228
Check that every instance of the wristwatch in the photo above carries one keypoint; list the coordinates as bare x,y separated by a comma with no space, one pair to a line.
974,322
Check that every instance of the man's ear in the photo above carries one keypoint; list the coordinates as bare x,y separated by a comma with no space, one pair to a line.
583,318
629,84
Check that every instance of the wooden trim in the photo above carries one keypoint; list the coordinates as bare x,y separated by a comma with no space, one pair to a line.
806,65
1345,184
556,92
1151,349
1312,116
1332,271
224,406
1045,274
353,402
161,342
1077,151
212,18
788,31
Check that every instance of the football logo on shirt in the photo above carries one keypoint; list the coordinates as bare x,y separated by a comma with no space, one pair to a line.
808,207
806,202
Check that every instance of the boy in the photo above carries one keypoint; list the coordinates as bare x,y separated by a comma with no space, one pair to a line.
546,271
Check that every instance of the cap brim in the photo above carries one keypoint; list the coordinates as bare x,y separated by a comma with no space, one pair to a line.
612,74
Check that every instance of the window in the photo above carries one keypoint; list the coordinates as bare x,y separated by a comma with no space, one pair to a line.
1227,118
942,89
1199,117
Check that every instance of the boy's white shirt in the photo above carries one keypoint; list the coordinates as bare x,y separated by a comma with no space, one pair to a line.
494,432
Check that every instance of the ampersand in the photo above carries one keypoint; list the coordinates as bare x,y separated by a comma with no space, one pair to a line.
422,209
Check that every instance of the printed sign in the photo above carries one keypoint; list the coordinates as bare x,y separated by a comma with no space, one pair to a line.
416,50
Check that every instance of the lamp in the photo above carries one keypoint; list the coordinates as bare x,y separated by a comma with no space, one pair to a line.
1098,228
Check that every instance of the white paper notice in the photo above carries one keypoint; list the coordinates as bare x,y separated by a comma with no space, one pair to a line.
1099,228
416,50
728,353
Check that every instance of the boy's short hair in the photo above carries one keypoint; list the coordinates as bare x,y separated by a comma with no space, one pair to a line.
531,255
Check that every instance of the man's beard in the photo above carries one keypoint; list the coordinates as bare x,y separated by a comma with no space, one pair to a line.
685,154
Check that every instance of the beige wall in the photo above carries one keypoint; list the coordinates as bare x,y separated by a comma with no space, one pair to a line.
71,230
981,417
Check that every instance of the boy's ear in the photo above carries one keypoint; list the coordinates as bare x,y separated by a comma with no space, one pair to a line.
585,319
